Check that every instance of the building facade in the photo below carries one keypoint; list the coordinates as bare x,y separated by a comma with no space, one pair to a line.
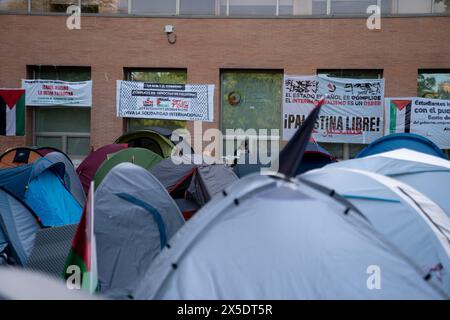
237,45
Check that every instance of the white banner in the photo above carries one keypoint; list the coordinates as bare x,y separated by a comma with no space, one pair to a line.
165,101
427,117
352,113
57,93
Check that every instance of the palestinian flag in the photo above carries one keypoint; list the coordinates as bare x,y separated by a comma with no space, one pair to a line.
12,112
83,252
400,116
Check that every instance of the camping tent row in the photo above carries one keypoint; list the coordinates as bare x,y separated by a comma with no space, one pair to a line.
244,243
274,237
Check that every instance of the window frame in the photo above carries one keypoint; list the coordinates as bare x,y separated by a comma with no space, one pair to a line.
64,135
252,140
226,14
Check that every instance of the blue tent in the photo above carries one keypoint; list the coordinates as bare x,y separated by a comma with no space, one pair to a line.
402,140
41,186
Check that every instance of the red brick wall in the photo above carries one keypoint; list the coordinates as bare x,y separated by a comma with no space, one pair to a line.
204,46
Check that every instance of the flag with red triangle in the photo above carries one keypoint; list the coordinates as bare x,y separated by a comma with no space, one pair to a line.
12,112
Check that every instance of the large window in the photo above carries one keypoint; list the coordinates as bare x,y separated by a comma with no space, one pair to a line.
434,84
172,76
65,128
341,150
250,100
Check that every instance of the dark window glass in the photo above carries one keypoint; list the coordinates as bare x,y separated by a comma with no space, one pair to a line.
352,73
104,6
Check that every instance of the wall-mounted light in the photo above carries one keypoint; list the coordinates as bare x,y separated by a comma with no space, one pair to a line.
171,36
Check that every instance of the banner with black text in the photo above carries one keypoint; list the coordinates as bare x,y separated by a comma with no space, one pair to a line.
165,101
352,113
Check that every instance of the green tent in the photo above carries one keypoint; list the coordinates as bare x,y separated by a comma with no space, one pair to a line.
148,139
139,156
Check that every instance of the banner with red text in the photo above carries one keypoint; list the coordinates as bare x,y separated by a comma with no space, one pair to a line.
352,113
58,93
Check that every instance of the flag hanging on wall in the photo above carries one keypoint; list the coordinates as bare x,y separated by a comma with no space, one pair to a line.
12,112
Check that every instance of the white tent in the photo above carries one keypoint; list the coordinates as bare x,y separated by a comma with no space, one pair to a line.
407,218
428,174
272,238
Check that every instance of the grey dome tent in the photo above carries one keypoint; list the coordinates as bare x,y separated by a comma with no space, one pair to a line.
406,217
18,227
430,175
134,219
71,179
193,180
268,238
273,237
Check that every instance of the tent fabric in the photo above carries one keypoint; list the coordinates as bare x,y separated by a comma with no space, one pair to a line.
51,201
15,180
139,156
148,139
171,174
87,169
314,157
18,157
399,141
71,179
193,177
209,181
268,238
131,207
43,151
50,250
428,174
407,218
18,227
41,186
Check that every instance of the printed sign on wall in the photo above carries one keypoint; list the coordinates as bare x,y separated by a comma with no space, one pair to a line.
352,113
58,93
427,117
165,101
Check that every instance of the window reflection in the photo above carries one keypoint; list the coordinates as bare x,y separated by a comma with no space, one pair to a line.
13,5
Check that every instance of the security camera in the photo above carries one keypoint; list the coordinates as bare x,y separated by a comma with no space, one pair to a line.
169,28
171,36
